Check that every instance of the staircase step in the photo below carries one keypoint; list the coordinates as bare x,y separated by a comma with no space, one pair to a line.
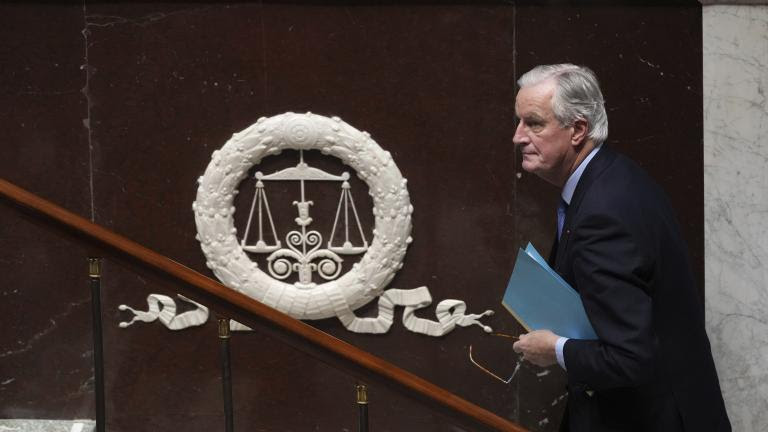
35,425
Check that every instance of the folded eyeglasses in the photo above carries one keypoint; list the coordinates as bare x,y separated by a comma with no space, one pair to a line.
482,368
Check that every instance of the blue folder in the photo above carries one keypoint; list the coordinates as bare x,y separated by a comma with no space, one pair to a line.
540,299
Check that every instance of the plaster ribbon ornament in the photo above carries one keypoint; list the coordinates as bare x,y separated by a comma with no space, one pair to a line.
163,308
320,291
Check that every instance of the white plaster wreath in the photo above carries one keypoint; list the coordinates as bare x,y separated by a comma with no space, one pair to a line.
269,136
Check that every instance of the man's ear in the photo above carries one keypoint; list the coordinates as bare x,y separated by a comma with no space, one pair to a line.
580,130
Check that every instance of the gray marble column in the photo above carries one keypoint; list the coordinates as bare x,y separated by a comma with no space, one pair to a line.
736,206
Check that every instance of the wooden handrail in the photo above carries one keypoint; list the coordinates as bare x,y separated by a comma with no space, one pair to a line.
276,318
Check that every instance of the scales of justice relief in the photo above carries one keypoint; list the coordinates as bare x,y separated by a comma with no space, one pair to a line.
320,290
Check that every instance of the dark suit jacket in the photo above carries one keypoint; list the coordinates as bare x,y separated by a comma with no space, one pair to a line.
652,367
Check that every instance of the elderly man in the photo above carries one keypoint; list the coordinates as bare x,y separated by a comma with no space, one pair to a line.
619,245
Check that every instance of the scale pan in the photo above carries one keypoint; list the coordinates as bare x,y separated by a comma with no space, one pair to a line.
261,247
348,249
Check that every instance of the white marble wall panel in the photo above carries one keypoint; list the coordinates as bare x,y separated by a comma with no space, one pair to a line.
736,206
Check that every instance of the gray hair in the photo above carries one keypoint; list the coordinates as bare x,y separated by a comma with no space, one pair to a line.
577,96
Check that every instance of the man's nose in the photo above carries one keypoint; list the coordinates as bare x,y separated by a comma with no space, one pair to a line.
520,137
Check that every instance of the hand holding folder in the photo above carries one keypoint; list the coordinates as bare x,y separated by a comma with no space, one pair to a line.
540,299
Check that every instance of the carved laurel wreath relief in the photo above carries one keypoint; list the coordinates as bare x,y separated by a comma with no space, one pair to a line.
320,289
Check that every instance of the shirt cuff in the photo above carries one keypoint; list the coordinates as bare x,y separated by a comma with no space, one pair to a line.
559,351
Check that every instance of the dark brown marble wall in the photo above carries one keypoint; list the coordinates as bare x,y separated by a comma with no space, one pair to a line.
165,85
45,341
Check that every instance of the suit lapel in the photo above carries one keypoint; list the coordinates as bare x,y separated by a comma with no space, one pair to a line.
596,166
553,252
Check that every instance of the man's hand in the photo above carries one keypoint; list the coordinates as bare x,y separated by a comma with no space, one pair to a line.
537,347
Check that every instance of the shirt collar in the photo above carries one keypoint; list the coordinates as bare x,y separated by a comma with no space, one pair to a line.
573,180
